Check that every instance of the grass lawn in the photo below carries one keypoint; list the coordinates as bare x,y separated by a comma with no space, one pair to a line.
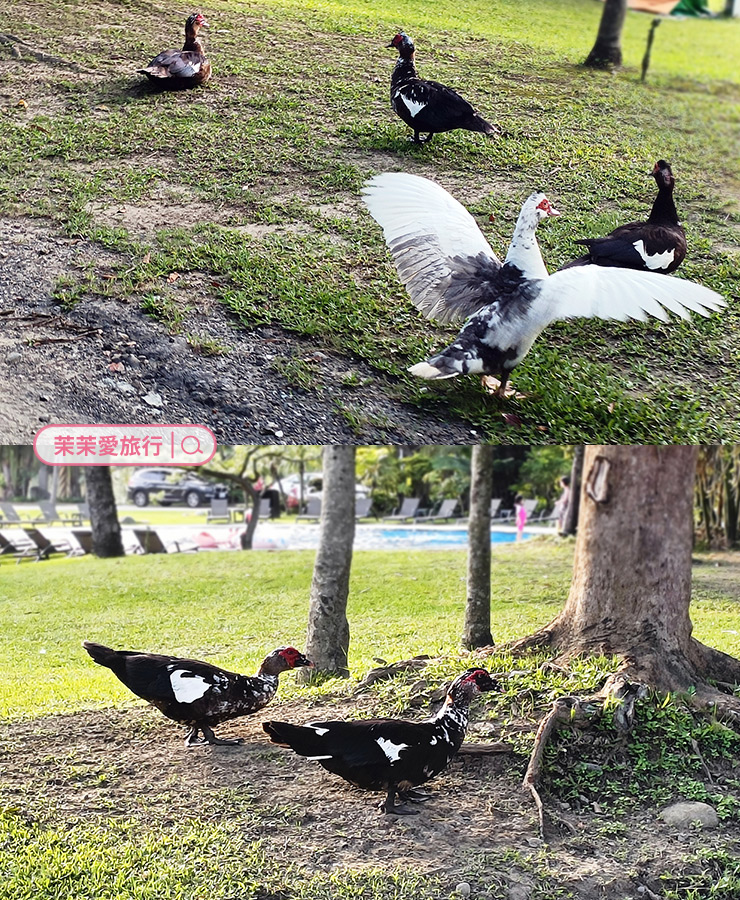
249,188
99,800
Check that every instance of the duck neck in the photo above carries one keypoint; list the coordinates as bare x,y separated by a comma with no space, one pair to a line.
524,251
454,712
664,209
191,40
404,70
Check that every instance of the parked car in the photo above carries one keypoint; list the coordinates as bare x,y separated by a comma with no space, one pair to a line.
313,483
168,486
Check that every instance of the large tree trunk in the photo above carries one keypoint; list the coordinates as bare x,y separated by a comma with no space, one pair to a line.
631,583
606,53
327,641
570,520
106,531
477,627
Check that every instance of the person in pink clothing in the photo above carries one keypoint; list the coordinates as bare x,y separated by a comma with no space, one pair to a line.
520,513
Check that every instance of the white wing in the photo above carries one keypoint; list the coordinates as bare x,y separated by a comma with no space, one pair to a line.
441,255
612,293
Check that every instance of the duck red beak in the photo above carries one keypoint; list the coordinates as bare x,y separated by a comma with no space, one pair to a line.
552,211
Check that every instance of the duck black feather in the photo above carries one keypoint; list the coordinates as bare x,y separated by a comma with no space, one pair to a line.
428,106
196,693
391,755
656,245
184,68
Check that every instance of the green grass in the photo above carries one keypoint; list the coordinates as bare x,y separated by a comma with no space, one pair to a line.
401,604
127,859
296,118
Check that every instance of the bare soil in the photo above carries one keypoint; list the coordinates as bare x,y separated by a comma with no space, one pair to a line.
55,365
132,764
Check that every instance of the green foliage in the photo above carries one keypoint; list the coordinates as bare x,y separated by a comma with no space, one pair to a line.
710,874
661,760
541,472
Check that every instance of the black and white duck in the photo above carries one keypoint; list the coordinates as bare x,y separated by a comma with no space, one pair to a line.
657,245
451,273
428,106
194,693
391,755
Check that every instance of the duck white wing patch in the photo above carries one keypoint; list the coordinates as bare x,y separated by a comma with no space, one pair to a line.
187,687
391,750
318,730
413,106
657,260
622,294
440,252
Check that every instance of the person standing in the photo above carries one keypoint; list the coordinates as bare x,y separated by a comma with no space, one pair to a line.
520,513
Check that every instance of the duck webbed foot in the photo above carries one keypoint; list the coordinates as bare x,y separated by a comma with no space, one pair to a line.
389,805
209,737
502,390
414,795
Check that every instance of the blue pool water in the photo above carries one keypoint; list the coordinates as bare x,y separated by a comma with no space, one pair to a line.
422,538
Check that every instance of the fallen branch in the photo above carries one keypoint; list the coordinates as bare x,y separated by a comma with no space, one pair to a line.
471,749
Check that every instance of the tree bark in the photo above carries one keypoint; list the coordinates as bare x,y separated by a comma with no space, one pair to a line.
606,53
327,641
570,521
477,626
106,530
631,585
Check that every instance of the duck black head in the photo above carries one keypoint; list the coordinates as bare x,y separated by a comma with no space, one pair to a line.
403,43
282,659
663,175
195,22
466,686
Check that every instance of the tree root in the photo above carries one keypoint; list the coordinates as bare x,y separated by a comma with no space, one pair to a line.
565,711
470,749
620,693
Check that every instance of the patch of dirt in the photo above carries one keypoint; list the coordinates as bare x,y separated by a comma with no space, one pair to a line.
57,364
132,764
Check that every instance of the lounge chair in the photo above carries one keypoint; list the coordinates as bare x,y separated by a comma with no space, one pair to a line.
84,512
149,541
11,516
408,510
41,547
446,511
495,509
50,514
12,548
362,507
83,536
313,509
265,508
219,510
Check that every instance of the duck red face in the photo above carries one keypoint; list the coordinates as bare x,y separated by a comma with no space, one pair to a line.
547,208
402,41
293,658
479,679
197,20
